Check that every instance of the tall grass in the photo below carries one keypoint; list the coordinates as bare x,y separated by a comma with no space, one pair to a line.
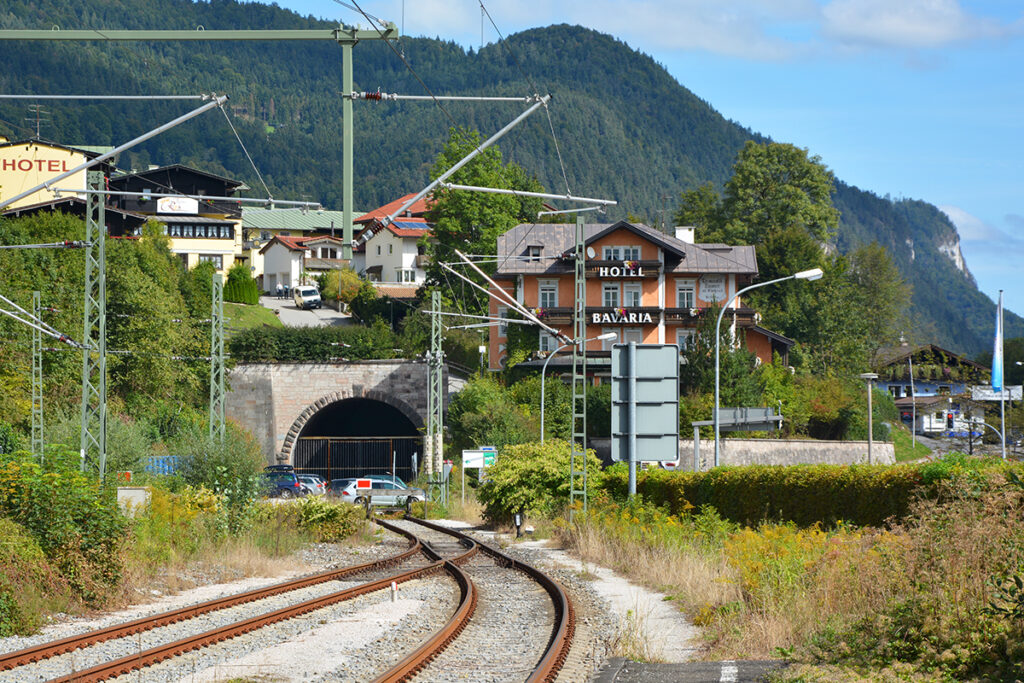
931,594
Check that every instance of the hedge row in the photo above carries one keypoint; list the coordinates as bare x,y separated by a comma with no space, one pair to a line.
242,292
865,495
312,344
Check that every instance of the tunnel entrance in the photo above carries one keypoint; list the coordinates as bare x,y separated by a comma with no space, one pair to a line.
359,436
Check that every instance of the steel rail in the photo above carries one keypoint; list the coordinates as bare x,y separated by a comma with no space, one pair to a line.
157,654
54,648
562,631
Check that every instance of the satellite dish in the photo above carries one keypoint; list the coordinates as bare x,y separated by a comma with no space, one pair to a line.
591,253
256,243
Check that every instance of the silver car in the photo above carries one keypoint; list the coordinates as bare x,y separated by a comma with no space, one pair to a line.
313,484
386,491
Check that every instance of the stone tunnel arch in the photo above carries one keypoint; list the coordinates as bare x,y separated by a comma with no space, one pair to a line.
344,435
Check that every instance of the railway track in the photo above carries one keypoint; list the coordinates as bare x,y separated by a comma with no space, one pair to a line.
485,583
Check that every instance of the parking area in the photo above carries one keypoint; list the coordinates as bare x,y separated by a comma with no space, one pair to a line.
293,316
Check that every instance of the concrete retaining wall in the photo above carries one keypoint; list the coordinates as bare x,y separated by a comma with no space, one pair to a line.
772,452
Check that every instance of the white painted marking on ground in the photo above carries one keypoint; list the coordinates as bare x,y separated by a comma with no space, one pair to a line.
730,672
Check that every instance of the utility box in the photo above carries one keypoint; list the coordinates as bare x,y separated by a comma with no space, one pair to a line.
131,499
645,386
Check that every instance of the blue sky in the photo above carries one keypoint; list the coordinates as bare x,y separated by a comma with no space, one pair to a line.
921,99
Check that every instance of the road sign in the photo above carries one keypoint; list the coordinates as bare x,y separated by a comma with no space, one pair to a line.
654,402
479,457
987,393
364,484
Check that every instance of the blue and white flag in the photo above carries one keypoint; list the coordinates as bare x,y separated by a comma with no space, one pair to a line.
997,352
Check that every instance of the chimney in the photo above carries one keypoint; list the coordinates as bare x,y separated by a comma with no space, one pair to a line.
685,233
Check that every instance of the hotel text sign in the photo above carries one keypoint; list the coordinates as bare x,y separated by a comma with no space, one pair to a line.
620,271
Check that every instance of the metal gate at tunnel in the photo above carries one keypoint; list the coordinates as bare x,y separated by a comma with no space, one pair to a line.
341,457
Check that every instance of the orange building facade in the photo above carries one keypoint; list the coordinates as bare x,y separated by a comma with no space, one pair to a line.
642,285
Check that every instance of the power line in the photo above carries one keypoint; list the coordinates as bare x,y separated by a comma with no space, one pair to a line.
242,145
103,97
66,244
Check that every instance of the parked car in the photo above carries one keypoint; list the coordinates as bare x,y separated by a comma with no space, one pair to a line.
306,297
397,493
282,484
279,468
314,484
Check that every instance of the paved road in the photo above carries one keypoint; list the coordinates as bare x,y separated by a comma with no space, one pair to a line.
620,670
293,316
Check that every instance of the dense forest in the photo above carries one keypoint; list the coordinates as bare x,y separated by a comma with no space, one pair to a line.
627,130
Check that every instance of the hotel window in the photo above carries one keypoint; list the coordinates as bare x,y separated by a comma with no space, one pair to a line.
611,254
606,344
686,294
189,231
175,231
684,337
548,294
226,232
632,294
632,334
200,231
547,342
631,253
216,259
610,295
502,327
621,253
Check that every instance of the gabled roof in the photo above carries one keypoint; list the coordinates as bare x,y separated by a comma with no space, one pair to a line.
410,227
556,240
90,151
774,336
301,243
292,219
181,168
420,207
897,355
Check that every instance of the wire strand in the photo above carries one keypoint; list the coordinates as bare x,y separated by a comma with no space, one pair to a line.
242,145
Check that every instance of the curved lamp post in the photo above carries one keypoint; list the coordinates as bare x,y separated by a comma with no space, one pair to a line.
812,274
544,368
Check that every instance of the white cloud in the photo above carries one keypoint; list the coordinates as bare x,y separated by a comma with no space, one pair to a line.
904,23
973,229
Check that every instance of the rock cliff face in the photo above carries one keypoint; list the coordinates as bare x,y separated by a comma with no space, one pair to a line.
951,248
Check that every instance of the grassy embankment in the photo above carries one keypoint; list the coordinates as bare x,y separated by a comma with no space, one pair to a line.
930,596
242,317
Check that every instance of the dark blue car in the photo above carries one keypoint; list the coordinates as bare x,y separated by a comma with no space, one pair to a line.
282,484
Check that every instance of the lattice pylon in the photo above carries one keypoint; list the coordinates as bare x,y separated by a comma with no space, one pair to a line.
37,380
217,427
434,441
93,441
578,445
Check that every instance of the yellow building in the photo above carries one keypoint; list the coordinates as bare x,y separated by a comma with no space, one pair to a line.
27,163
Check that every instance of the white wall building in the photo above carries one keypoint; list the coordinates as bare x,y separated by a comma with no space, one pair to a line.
395,254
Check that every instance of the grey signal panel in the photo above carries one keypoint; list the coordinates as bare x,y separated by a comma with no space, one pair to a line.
656,402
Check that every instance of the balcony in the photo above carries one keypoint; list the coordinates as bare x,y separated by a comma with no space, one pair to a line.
745,317
635,315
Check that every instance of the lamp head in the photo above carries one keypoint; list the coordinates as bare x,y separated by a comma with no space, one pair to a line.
607,336
812,274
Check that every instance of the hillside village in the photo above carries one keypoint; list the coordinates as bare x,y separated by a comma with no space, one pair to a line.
221,383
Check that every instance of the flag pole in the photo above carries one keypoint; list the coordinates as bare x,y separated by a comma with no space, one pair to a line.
1002,388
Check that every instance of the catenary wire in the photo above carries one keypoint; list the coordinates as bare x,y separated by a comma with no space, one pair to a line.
242,145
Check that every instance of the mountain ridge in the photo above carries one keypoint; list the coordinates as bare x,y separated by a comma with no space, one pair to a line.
628,130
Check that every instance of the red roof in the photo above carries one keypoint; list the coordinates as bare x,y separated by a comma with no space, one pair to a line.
419,208
403,229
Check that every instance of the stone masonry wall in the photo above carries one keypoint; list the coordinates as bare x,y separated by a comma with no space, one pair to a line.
275,401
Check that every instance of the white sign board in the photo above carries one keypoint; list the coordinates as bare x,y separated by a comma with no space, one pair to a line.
185,205
986,393
477,458
712,288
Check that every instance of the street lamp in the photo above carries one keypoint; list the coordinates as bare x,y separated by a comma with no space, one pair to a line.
544,368
812,274
868,377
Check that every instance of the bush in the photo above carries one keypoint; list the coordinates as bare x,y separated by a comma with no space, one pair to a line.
240,287
75,521
27,581
532,478
329,522
312,344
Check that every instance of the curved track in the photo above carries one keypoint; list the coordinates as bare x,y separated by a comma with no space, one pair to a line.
448,552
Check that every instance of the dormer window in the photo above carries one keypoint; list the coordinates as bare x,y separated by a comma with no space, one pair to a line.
533,252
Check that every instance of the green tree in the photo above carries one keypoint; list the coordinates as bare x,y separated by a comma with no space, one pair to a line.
472,221
484,414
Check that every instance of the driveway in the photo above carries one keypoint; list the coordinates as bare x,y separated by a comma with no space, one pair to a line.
293,316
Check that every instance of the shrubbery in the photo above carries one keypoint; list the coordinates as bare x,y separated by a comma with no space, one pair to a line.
329,522
533,478
313,344
241,288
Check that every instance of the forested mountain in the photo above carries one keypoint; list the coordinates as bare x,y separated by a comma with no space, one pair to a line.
626,129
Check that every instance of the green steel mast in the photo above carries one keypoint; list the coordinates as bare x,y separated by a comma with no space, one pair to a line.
578,444
435,391
37,380
217,361
93,441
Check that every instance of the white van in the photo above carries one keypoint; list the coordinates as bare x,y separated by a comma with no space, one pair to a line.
306,297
